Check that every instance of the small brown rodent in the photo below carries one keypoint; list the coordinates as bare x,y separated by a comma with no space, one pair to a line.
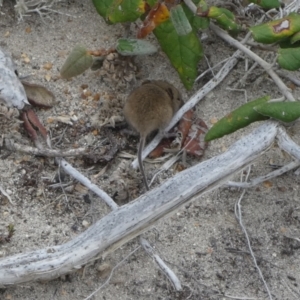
149,107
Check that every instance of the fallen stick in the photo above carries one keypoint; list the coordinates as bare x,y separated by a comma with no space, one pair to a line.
129,221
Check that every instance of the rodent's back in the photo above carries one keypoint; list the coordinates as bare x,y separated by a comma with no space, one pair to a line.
172,91
148,107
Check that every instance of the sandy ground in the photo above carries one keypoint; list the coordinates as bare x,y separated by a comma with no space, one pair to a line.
201,242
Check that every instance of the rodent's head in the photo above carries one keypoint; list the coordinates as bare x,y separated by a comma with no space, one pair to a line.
172,91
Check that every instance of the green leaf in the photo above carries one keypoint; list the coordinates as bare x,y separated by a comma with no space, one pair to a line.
295,38
115,11
224,18
289,58
180,21
267,4
184,52
196,21
283,111
151,2
135,47
277,30
239,118
77,62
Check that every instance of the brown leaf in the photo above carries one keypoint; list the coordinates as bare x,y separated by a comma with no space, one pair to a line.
28,127
34,120
194,144
159,150
38,95
158,14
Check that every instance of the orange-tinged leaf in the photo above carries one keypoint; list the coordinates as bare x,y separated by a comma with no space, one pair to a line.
158,14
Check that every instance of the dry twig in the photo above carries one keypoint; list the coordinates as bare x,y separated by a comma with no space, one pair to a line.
10,145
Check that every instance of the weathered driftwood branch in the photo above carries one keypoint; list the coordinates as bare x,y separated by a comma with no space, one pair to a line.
109,201
129,221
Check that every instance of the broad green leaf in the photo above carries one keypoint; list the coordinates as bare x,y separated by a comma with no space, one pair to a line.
283,111
277,30
237,119
180,21
268,4
184,52
135,47
77,62
196,21
289,56
115,11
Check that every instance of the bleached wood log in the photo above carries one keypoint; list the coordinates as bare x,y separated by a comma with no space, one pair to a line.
129,221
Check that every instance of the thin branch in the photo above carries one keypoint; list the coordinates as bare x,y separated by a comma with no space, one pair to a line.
237,297
290,290
210,69
292,165
6,195
290,77
266,66
238,214
111,273
163,267
10,145
85,181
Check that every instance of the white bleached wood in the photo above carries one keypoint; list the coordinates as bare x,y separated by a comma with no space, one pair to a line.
287,144
129,221
12,92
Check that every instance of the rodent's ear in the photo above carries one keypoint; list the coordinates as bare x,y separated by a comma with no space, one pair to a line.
146,82
170,92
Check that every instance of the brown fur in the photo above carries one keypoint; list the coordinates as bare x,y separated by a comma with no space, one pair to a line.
149,107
